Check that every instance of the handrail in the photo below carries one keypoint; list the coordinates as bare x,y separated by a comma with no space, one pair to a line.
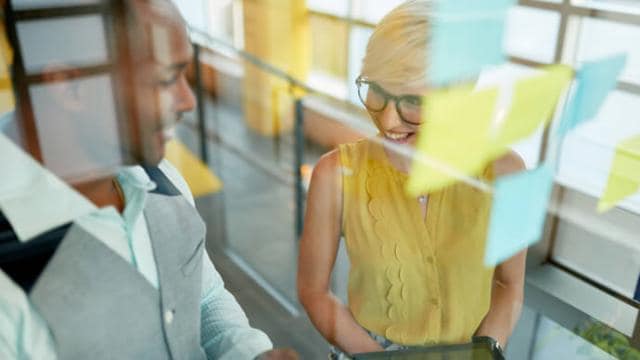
210,41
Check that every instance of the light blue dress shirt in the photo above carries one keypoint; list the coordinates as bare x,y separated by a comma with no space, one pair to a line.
225,329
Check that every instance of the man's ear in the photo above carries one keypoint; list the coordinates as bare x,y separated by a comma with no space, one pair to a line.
63,89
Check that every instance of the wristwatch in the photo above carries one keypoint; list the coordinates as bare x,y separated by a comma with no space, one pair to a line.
496,349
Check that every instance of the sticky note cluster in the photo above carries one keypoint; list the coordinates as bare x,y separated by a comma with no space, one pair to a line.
461,133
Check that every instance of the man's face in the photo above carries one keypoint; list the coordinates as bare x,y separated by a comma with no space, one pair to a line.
163,94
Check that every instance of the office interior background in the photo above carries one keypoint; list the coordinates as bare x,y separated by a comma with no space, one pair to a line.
278,91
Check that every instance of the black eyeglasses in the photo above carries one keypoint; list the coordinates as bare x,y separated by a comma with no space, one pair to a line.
375,99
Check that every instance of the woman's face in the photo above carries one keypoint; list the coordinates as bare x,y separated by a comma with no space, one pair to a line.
401,118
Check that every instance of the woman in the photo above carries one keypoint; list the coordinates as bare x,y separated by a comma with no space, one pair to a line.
417,275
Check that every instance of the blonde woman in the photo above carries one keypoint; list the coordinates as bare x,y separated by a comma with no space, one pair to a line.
417,275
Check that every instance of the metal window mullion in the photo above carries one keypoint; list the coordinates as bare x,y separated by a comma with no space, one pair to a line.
59,12
350,20
570,9
558,54
69,73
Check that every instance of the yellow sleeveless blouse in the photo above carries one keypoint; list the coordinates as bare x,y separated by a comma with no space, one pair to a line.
413,279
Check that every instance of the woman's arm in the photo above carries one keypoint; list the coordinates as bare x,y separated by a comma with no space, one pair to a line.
318,248
507,292
507,295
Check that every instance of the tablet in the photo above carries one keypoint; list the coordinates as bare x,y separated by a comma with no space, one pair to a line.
482,348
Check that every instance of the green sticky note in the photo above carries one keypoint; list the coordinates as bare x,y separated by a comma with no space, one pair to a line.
455,134
518,213
533,104
466,36
624,177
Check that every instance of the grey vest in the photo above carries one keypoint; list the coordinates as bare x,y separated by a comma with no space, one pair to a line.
98,306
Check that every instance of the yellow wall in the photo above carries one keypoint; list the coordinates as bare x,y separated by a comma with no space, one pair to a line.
277,32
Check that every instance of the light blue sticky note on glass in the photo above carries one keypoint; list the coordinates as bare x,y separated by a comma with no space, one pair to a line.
466,36
595,80
518,212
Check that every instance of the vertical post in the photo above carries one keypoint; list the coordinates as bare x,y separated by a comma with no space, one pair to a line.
202,125
297,165
635,338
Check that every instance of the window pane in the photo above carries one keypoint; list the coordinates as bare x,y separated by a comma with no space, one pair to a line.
587,152
532,33
357,48
328,46
600,38
220,20
193,12
373,10
334,7
602,247
41,42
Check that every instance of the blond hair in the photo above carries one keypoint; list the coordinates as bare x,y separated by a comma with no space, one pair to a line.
396,53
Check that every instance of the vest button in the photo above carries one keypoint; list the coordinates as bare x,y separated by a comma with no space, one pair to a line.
168,316
435,302
430,260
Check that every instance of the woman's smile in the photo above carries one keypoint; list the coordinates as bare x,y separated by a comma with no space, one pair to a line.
399,137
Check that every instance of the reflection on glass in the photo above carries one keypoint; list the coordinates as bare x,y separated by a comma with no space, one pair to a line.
56,42
77,127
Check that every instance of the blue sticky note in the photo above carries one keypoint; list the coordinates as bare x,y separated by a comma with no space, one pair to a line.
595,80
518,212
466,36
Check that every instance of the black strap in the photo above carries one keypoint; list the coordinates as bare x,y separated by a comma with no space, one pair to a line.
164,185
23,262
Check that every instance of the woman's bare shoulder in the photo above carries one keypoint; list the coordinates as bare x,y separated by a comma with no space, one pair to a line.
328,164
508,164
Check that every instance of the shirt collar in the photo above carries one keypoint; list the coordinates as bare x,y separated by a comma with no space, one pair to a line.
32,198
135,184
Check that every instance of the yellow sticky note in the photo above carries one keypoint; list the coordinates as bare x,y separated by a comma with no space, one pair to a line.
6,52
624,178
456,133
7,101
534,101
201,180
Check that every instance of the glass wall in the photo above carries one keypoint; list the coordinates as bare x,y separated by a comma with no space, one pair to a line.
587,263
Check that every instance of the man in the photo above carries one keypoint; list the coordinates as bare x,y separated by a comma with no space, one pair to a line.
119,272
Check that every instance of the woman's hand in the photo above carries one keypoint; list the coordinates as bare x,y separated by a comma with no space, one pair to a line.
278,354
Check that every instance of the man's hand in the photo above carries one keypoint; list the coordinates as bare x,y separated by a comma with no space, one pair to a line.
279,354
